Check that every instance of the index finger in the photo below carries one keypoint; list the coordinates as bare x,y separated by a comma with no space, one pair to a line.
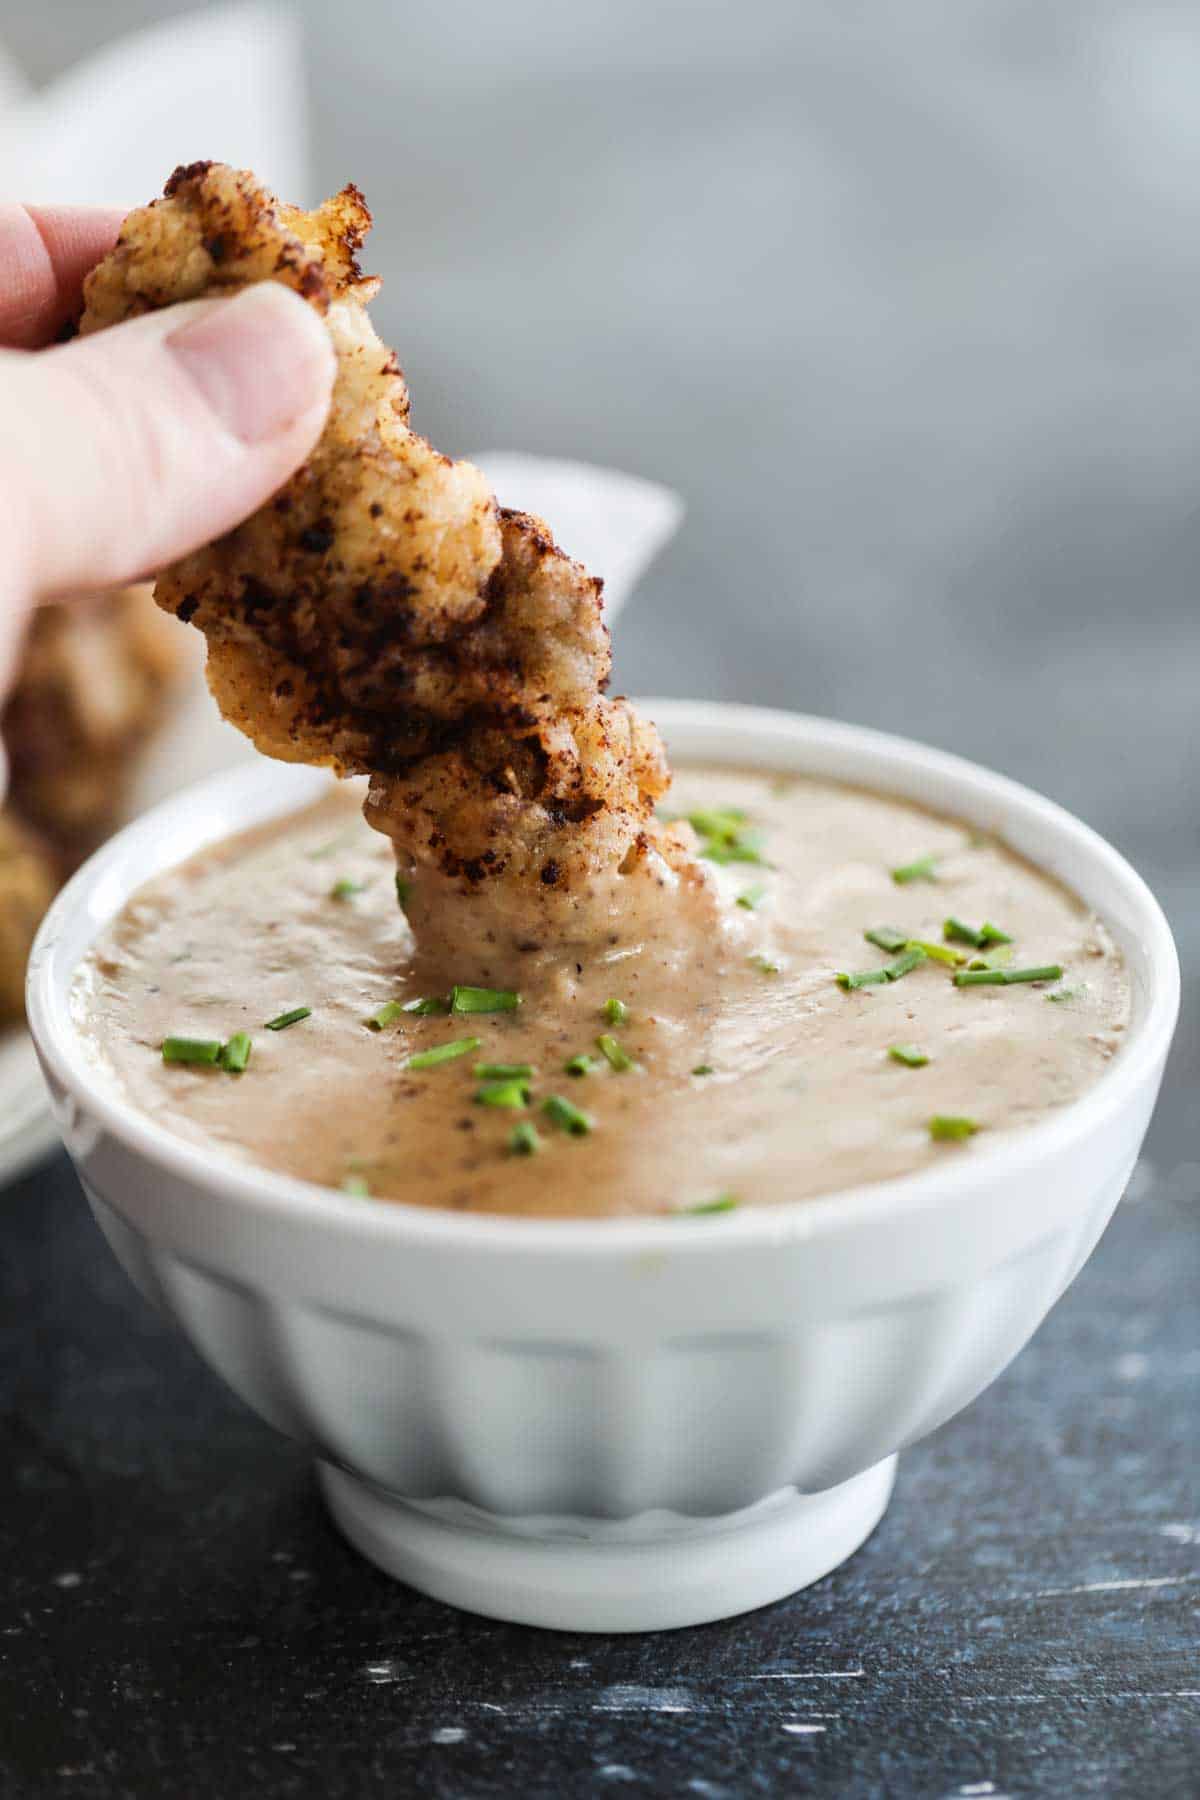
45,252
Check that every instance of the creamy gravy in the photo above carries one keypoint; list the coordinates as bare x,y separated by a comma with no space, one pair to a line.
802,1098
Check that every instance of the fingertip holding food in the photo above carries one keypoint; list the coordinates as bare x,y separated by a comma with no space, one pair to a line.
262,361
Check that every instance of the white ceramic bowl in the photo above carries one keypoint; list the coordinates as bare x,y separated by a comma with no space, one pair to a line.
615,1424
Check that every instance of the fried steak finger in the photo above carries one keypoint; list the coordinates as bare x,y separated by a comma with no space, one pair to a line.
381,614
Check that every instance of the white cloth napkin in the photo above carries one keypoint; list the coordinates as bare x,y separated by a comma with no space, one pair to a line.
227,81
615,524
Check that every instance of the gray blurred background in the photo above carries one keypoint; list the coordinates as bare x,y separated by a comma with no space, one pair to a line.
905,301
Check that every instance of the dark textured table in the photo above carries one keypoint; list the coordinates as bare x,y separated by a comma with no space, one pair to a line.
178,1616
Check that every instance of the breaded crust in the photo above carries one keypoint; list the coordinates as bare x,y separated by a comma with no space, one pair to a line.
381,613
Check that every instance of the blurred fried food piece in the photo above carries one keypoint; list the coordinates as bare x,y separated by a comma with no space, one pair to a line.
380,613
94,682
27,884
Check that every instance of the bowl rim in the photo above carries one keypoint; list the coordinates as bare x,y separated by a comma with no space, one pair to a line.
1002,1157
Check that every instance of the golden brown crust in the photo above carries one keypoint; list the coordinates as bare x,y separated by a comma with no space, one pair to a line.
538,806
219,231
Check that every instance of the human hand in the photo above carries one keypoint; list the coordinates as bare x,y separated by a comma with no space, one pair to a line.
121,451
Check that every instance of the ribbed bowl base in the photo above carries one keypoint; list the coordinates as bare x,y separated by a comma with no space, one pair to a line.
649,1573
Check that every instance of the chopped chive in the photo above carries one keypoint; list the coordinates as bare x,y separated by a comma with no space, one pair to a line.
909,1054
998,958
285,1019
427,1006
722,1203
703,1069
753,897
482,1000
356,1185
389,1012
945,1128
345,888
941,953
764,965
886,937
523,1139
953,930
512,1094
403,890
723,834
863,978
429,1059
737,850
717,821
236,1053
191,1050
924,868
614,1054
1067,993
583,1064
502,1071
568,1117
905,963
616,1012
1005,977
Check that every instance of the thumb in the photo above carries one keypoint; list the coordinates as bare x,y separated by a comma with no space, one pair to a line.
128,448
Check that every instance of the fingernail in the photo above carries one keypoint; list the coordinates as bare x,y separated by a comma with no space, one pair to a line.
261,359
